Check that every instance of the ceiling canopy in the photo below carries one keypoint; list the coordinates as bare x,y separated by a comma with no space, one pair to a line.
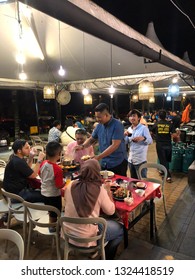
77,34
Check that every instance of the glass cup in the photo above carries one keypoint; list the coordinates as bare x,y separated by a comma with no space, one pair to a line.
68,179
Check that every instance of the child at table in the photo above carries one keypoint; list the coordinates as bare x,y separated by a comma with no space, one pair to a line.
52,179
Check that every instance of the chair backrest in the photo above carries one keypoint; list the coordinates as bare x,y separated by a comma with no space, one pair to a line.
15,204
36,140
2,163
3,205
15,237
42,224
156,166
43,221
80,221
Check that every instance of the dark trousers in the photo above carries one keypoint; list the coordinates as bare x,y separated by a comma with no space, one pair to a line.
164,153
120,169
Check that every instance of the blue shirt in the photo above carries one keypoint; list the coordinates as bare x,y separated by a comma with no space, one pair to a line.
138,150
105,133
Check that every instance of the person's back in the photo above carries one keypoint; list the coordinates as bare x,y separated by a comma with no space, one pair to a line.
84,198
163,130
54,132
52,178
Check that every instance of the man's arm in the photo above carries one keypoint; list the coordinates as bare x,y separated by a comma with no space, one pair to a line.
115,144
88,142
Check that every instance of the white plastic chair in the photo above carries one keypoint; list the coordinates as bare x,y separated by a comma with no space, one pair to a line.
16,210
42,225
2,163
158,167
100,248
16,238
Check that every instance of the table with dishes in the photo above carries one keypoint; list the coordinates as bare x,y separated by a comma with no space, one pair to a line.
131,194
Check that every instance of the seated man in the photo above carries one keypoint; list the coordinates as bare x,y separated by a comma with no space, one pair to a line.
80,136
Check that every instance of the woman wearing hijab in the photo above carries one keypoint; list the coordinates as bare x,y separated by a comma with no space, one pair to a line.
84,198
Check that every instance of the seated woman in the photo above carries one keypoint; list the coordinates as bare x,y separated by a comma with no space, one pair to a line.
84,198
80,136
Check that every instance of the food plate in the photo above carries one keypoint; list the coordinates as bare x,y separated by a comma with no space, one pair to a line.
118,198
110,173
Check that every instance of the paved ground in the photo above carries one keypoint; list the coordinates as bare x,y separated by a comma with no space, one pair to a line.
175,237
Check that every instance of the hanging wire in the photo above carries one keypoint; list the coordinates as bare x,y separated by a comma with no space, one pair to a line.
111,62
61,71
181,11
59,42
84,55
19,20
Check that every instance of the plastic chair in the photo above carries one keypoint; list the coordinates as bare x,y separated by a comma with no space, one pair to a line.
100,248
15,237
2,163
42,225
161,181
16,210
36,140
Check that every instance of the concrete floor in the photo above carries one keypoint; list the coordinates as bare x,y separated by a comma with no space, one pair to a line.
175,238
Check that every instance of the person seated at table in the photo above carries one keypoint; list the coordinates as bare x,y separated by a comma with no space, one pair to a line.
55,132
18,170
80,136
84,198
52,179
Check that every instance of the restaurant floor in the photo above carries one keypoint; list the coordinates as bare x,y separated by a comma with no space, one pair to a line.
175,237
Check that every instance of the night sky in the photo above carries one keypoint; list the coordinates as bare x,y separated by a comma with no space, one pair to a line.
172,28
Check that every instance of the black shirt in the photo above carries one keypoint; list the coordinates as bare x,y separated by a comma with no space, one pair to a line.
163,129
16,173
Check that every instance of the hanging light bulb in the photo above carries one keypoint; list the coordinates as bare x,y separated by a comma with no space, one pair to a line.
85,91
22,76
112,89
61,71
20,58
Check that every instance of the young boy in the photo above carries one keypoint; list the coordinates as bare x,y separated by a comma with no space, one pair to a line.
52,179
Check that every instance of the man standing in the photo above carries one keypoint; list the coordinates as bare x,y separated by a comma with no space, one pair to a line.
110,135
54,132
163,130
139,138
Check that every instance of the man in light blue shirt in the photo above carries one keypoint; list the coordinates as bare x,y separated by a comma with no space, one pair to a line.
54,132
139,138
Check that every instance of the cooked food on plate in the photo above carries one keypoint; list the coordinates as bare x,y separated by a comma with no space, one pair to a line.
85,157
120,193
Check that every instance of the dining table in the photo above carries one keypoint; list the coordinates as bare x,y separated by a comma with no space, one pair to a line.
152,190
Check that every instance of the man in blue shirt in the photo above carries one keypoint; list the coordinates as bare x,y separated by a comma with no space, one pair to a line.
109,133
139,138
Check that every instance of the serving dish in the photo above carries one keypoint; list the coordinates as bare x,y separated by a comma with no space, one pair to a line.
139,185
109,173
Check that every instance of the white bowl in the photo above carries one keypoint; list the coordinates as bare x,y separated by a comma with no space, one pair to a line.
140,192
140,185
